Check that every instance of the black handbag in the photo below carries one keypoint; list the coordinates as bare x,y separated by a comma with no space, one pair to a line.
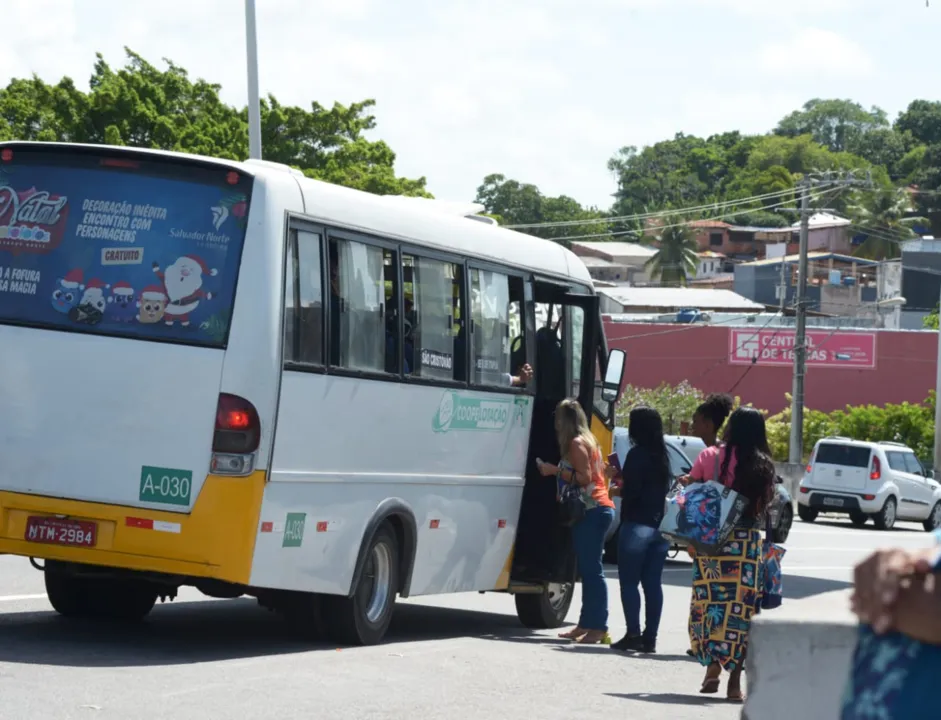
571,504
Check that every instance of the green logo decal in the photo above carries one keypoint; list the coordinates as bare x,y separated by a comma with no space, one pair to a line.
294,530
165,486
460,412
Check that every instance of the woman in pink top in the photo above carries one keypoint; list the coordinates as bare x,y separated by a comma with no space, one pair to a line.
726,586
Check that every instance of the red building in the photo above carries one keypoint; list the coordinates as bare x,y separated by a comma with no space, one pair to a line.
848,367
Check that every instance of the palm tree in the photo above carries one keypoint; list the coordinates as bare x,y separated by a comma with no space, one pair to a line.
881,215
676,259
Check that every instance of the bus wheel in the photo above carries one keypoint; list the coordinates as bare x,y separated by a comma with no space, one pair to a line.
124,599
546,610
364,618
68,593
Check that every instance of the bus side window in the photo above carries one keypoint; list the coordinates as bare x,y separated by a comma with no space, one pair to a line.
360,309
290,300
496,312
430,343
310,299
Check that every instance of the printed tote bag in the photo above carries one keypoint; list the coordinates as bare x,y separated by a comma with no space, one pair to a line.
703,514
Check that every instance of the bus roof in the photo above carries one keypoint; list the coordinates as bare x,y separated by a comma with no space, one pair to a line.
434,225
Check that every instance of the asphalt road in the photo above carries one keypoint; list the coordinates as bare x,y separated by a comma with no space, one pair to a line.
459,656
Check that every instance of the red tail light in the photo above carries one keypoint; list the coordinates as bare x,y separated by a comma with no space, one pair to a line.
238,430
876,473
808,467
120,163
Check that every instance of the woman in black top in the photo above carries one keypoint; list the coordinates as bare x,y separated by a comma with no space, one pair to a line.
642,550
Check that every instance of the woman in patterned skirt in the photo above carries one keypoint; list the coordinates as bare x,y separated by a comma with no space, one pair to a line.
726,585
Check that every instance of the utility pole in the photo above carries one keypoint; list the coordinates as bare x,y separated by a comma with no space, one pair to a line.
796,454
254,99
936,461
782,286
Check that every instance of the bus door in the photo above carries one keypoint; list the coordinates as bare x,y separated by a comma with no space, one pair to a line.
563,359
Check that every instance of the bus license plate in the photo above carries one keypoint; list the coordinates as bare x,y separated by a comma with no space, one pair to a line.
833,502
60,531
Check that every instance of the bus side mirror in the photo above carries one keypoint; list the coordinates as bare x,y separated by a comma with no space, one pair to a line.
613,375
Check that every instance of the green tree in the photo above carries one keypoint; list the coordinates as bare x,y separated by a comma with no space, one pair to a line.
922,120
930,321
884,215
835,124
675,260
884,147
514,203
143,106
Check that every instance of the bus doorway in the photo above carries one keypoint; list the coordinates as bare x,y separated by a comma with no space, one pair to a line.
567,328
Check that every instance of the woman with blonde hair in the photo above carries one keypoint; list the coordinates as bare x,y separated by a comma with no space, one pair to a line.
583,466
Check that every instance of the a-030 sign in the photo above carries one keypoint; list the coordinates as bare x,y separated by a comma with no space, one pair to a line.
825,348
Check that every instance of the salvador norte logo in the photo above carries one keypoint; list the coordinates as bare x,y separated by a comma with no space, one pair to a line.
457,411
235,205
219,215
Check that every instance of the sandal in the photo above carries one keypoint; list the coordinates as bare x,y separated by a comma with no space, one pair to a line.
710,684
573,634
594,637
733,692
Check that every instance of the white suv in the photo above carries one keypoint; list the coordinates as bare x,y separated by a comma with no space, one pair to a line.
883,481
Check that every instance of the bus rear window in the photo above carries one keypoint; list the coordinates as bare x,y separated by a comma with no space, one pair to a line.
121,245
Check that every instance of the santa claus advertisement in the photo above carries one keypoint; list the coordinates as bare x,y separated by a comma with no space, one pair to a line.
115,251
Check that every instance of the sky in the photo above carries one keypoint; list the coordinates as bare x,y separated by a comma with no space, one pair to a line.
542,91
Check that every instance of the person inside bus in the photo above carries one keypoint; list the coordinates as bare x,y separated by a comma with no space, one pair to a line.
583,466
524,375
642,551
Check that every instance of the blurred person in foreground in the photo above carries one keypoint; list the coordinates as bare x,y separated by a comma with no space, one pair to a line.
897,598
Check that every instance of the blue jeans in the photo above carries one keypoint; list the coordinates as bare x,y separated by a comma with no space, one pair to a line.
642,552
588,538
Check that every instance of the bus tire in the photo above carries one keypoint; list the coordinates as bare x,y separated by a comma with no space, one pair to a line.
364,618
124,599
67,593
546,610
303,613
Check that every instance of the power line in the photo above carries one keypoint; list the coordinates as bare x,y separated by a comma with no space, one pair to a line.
657,213
815,196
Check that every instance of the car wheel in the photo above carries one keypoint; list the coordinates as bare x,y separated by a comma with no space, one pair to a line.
806,514
885,518
934,520
858,519
785,520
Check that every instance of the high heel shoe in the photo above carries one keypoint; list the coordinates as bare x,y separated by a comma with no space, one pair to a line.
595,637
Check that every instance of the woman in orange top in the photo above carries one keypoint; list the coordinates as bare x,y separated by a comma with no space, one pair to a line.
583,465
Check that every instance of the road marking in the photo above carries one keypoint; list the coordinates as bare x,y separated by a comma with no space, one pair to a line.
861,551
817,568
18,598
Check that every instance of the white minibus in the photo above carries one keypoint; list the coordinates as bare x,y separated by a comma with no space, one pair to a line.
228,376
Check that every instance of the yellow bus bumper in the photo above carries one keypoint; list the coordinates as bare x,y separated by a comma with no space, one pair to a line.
216,540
